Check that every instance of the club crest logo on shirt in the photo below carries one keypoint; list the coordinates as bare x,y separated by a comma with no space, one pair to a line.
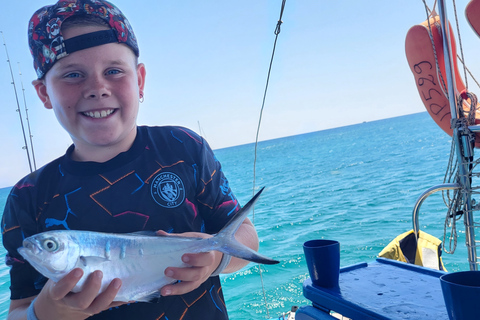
168,190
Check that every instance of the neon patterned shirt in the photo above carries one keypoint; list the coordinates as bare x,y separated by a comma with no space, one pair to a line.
169,180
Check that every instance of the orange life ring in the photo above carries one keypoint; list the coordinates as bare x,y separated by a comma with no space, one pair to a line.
431,86
472,12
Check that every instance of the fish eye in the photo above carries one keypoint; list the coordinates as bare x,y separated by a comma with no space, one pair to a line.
50,245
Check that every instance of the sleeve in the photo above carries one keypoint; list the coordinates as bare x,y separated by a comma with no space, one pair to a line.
18,222
218,204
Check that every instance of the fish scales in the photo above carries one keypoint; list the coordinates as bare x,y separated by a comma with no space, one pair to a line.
134,255
139,259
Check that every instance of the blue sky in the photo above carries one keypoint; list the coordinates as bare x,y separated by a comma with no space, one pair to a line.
337,63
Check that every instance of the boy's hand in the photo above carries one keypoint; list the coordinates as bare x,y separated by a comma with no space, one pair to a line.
55,301
202,265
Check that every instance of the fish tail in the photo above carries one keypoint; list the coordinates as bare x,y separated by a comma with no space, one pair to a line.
225,240
238,250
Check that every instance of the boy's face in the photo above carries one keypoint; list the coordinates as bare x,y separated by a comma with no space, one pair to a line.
95,96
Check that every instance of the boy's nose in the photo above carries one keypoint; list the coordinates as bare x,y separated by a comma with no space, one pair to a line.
96,88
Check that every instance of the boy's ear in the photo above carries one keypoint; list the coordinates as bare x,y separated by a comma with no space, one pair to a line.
41,89
141,73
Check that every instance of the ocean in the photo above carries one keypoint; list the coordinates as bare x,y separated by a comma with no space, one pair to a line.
355,184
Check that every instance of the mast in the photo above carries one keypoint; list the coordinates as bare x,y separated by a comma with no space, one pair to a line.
462,145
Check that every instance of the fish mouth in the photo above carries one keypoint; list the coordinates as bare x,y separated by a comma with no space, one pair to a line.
23,252
29,251
99,114
29,248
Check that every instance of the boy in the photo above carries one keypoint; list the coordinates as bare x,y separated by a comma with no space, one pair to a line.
116,177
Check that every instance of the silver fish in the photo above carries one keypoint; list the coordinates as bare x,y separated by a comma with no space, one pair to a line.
138,259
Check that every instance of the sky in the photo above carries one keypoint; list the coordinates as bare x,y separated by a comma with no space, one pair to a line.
336,63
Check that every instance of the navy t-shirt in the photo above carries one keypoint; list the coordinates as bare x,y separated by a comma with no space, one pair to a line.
169,180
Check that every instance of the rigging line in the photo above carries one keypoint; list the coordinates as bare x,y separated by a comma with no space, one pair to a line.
18,104
465,68
433,13
460,42
277,32
468,70
26,118
428,8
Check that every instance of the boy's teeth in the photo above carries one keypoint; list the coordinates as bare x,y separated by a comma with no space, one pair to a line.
98,114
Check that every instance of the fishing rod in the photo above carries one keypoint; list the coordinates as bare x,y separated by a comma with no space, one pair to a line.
277,32
200,131
26,118
18,105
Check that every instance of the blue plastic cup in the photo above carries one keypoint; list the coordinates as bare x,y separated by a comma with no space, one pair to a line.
323,262
461,292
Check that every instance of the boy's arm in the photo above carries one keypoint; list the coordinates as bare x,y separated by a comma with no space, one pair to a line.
18,308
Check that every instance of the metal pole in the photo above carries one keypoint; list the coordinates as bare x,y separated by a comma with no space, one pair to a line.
463,170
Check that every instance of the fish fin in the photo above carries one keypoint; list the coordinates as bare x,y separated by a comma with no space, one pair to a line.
225,241
154,234
143,233
91,260
150,297
147,233
232,226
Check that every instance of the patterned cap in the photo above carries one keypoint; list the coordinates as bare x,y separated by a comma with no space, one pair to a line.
45,37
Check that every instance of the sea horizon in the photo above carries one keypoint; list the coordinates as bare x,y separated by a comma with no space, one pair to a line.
3,185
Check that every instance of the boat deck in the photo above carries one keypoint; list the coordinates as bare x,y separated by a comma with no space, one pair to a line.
384,289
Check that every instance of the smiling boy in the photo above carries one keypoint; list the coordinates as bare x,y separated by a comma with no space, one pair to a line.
116,177
94,93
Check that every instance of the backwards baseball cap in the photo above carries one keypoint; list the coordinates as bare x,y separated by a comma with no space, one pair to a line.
45,37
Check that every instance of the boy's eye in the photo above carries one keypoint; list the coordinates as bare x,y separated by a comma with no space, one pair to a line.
113,71
72,75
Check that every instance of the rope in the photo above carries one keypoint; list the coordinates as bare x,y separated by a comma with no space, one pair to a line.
277,32
460,42
473,107
451,203
468,70
450,222
457,207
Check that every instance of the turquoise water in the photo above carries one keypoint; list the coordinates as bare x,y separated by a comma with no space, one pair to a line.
354,184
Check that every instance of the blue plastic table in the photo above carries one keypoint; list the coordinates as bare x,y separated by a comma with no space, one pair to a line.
383,289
